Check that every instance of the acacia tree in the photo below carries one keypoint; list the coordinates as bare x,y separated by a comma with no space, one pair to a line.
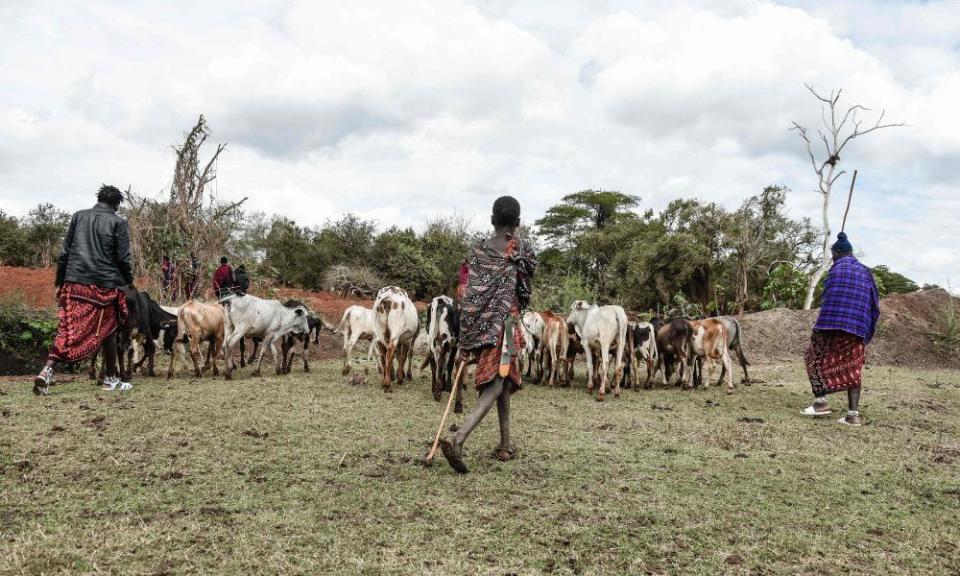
45,227
838,131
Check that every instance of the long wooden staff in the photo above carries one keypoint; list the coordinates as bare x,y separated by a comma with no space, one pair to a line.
849,198
428,459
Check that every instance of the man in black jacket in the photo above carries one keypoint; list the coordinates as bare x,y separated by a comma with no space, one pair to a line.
92,270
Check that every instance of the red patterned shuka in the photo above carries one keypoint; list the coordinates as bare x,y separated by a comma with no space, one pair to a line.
835,361
498,285
86,316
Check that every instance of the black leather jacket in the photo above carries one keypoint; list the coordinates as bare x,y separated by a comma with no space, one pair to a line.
96,249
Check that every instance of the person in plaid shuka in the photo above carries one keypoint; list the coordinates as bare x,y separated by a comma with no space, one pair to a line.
846,324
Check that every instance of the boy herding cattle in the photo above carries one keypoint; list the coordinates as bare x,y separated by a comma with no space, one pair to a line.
501,269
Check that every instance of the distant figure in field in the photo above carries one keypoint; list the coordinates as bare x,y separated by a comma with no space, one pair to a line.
223,279
192,278
847,322
501,269
93,268
463,275
241,280
167,273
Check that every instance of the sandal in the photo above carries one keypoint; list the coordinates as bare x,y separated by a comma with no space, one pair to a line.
813,410
505,453
454,455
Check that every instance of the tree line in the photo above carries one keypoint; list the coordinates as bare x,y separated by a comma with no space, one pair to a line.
693,258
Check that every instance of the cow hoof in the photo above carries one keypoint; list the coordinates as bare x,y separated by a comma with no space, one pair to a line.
228,376
256,374
388,390
616,394
458,409
729,390
345,371
600,397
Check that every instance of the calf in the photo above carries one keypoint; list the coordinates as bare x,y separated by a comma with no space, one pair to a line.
674,342
356,324
553,347
145,321
396,325
199,322
709,344
267,319
641,345
443,334
602,330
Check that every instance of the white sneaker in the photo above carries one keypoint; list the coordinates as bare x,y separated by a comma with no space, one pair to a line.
114,383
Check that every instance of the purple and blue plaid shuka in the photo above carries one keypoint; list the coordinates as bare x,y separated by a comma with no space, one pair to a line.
851,302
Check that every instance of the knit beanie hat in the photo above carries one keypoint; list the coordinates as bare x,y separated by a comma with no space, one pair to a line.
842,245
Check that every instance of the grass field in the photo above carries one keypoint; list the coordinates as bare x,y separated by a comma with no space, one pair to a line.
307,474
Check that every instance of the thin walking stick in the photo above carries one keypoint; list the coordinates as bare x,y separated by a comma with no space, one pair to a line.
849,198
428,459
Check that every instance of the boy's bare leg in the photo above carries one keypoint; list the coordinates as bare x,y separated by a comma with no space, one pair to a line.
453,446
506,448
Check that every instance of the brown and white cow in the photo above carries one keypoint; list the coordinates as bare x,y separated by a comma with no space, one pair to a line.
709,345
396,324
642,347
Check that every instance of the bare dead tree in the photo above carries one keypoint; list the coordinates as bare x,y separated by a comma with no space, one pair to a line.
838,131
192,226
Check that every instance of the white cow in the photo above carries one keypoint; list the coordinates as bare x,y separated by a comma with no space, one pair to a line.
532,326
356,324
269,320
396,325
602,329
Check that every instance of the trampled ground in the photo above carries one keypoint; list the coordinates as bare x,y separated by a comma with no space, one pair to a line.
307,474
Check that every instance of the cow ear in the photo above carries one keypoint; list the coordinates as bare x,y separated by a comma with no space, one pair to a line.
298,311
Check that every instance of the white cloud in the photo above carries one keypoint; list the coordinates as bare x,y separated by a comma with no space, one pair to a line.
401,111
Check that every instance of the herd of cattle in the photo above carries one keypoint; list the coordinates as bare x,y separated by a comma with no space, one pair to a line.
605,335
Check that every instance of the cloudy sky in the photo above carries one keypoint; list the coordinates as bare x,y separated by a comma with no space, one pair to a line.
399,111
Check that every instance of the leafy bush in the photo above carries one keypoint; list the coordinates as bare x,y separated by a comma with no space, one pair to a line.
556,294
25,335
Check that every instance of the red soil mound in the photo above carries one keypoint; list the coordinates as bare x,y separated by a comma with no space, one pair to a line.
33,285
903,336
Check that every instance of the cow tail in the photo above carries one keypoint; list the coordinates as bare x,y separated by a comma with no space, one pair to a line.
343,322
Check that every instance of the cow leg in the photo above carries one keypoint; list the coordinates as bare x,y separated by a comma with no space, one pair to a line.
173,358
743,364
195,356
728,367
306,346
436,387
589,356
388,353
402,351
243,361
236,334
348,343
604,360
